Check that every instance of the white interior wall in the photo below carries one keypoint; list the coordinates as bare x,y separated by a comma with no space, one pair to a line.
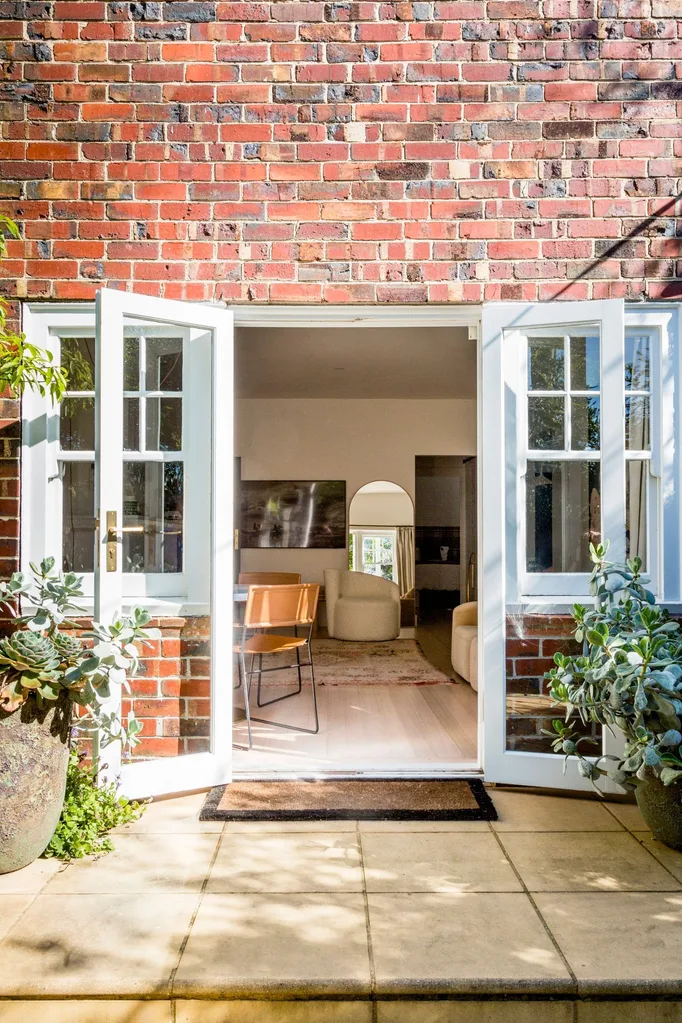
356,440
381,510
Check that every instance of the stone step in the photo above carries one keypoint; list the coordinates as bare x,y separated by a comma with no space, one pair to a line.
482,1010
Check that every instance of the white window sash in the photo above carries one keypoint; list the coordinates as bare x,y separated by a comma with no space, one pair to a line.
43,462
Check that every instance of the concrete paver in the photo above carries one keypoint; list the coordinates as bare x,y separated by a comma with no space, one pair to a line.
282,918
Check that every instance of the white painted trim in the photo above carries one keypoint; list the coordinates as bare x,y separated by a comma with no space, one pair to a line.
154,777
317,315
503,387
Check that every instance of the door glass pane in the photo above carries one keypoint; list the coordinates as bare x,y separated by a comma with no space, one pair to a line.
585,363
131,364
131,424
563,515
584,424
636,477
153,494
78,517
164,364
637,424
77,424
546,424
78,359
637,363
164,424
545,364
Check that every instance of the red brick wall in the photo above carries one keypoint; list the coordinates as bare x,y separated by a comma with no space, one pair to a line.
445,151
440,151
532,641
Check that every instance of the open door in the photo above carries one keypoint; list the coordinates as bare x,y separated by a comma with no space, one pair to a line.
552,479
163,483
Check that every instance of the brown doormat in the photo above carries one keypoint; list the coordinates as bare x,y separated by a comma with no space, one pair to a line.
359,799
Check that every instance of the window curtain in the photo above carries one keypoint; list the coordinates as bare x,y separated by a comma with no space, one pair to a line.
405,558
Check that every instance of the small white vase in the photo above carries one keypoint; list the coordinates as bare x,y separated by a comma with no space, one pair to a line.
444,551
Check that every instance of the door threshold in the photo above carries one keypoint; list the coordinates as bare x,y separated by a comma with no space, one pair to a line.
455,772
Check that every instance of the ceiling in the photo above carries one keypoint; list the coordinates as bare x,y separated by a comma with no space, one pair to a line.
357,362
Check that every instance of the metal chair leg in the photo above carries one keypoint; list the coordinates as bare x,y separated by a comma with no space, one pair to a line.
312,678
247,692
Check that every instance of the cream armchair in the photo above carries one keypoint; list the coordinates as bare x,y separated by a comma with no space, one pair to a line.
464,649
361,607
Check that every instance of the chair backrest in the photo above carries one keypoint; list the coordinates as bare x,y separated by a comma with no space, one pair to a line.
361,584
270,607
268,578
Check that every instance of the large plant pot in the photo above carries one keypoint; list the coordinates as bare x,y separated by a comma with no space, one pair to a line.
34,754
661,808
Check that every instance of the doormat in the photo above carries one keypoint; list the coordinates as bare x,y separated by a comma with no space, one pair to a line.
357,799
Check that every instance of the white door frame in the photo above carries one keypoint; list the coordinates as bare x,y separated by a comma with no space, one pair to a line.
502,546
328,316
165,775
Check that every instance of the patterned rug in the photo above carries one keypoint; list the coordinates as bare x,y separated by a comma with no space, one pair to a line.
340,663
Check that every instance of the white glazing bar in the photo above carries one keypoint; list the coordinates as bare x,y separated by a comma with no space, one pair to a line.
612,343
108,587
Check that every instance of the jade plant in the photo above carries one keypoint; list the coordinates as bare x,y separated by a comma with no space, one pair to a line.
628,678
44,664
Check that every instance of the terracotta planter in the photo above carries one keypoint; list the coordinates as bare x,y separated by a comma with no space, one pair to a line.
34,753
661,808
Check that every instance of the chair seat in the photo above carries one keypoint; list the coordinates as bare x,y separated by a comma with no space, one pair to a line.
264,643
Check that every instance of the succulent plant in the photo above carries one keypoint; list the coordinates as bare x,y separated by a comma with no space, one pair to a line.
629,676
68,647
40,661
30,653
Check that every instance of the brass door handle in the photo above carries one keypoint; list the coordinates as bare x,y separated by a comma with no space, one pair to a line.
111,542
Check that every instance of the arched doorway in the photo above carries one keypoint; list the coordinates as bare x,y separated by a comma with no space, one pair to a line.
381,533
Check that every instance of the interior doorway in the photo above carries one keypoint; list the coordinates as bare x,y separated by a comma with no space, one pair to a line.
349,409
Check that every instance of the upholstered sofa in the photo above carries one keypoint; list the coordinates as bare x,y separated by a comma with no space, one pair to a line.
361,607
464,648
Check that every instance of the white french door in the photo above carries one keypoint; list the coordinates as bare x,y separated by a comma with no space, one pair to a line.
163,483
552,479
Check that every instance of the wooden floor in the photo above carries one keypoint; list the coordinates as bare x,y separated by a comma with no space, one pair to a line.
397,729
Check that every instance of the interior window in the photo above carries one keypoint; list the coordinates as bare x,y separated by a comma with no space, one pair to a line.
563,469
373,552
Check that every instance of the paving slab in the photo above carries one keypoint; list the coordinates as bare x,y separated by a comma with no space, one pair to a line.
618,943
437,862
465,1011
287,862
446,943
525,811
179,815
629,816
647,1011
141,864
670,858
86,1011
286,945
11,909
273,1012
29,880
603,861
95,945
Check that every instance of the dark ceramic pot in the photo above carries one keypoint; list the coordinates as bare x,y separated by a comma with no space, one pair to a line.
661,808
34,753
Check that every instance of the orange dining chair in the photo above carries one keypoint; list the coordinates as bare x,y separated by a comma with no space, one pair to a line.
268,578
262,579
270,608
